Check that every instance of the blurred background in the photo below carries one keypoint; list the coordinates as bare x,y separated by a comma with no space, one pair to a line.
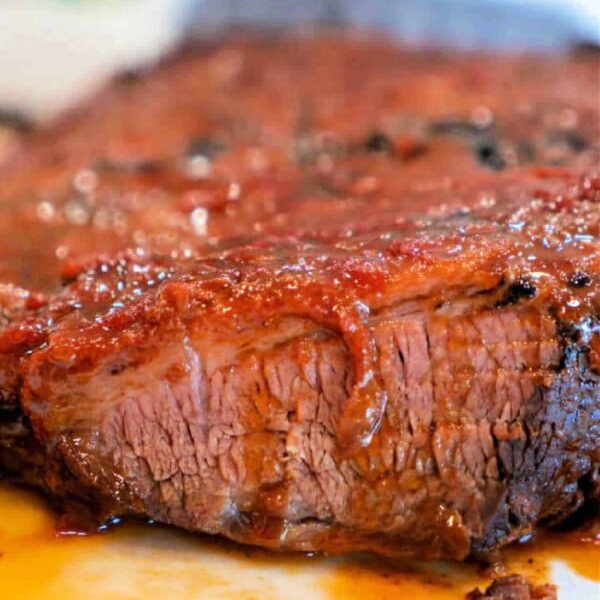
54,51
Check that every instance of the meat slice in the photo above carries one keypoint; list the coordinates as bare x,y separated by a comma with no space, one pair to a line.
434,402
398,352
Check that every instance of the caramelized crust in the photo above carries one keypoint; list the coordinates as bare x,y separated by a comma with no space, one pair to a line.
312,294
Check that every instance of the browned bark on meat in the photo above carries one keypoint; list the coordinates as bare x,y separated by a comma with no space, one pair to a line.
312,294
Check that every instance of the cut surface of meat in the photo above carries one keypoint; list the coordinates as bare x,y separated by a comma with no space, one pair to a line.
312,294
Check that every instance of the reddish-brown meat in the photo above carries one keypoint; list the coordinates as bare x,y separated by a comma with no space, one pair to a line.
318,294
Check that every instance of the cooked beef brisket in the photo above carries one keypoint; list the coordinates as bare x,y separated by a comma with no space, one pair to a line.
312,294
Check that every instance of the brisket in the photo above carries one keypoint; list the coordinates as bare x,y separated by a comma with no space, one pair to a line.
311,294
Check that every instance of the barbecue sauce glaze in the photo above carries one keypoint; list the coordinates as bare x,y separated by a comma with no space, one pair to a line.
301,209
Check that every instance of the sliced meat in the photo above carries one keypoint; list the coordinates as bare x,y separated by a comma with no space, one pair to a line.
316,333
437,403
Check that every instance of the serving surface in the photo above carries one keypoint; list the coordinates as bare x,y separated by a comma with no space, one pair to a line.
151,562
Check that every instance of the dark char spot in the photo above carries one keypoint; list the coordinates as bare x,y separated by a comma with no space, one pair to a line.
378,142
482,140
9,413
117,368
568,331
488,154
522,288
579,279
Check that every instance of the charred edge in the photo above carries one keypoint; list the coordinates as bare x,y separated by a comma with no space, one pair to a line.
15,428
522,288
502,472
568,335
573,360
18,451
583,518
10,413
568,332
575,352
29,462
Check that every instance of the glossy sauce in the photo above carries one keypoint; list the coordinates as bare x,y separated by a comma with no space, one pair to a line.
372,578
253,226
140,561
